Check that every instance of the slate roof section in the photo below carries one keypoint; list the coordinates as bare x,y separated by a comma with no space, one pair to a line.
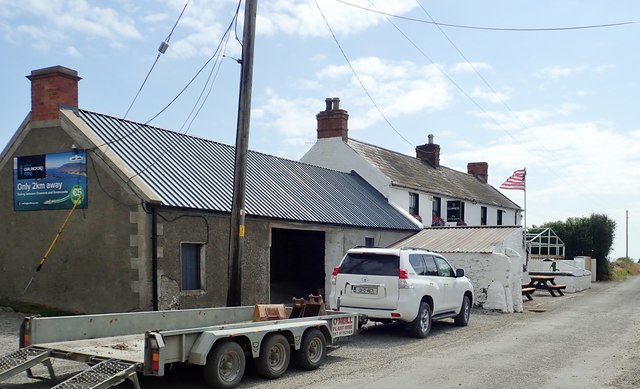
412,173
460,239
190,172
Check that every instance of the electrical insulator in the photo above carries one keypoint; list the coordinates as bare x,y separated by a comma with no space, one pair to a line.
163,47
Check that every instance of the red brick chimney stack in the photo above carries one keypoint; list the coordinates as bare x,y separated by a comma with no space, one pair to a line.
50,88
429,152
480,170
333,121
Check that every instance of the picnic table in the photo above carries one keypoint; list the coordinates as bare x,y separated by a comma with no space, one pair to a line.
545,282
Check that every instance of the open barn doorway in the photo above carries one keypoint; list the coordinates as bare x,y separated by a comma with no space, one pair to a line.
296,264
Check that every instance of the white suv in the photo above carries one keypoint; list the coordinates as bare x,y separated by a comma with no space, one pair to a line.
411,285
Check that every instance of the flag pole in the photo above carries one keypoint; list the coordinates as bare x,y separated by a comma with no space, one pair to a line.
525,202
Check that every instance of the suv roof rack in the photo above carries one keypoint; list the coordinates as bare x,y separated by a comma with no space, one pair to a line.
414,248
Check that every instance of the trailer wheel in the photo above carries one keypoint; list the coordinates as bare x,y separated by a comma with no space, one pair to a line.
313,350
275,353
225,365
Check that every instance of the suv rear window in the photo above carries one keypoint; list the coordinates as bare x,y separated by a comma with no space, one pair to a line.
372,264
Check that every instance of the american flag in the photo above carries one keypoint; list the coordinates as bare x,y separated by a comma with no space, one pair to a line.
516,181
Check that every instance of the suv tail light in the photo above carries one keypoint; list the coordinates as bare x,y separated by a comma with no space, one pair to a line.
334,274
403,280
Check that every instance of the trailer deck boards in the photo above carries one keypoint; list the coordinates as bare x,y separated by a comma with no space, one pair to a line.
128,348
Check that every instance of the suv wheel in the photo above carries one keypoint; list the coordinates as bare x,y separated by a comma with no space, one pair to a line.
420,327
462,319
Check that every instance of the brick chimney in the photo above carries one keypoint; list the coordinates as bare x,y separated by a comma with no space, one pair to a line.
50,88
429,152
333,121
479,169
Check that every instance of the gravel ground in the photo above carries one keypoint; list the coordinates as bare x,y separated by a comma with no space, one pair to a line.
375,349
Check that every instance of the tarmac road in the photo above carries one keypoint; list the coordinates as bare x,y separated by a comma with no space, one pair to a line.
588,339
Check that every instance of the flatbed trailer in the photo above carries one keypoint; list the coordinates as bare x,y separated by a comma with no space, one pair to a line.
118,346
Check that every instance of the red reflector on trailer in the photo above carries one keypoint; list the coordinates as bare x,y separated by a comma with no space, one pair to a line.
155,362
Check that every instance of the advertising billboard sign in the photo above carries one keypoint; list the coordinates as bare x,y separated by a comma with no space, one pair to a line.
50,181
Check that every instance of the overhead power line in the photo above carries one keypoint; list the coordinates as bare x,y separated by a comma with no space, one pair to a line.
358,78
164,45
517,29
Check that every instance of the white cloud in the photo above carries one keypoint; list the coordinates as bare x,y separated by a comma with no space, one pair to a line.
302,18
469,67
56,23
490,96
560,71
605,67
397,87
155,18
73,52
568,162
512,120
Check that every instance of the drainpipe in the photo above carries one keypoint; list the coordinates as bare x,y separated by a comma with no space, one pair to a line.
154,256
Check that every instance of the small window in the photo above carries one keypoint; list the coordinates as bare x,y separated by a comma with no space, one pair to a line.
499,217
483,216
436,206
444,269
369,242
414,204
191,258
417,264
430,266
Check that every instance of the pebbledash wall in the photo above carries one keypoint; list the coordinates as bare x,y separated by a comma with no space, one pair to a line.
99,261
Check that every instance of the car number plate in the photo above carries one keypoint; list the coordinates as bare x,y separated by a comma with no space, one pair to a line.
365,289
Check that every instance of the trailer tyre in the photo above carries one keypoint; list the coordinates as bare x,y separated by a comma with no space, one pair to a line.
313,350
225,365
275,354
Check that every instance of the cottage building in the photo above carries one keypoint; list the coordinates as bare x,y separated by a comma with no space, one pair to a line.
145,214
432,193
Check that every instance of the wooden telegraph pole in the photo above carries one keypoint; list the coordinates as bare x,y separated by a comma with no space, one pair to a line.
237,230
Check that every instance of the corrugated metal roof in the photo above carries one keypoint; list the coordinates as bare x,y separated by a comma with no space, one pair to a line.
410,172
191,172
460,239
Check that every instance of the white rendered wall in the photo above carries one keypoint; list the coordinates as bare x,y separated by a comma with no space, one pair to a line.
497,277
333,153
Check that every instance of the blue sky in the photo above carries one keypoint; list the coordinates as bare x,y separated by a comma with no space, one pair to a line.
562,103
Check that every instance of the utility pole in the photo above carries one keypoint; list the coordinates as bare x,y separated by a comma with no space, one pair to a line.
237,230
627,235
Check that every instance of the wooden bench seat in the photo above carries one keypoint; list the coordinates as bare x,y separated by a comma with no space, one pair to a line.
557,287
527,290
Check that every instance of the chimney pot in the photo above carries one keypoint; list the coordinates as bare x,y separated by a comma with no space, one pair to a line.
336,103
430,139
328,101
